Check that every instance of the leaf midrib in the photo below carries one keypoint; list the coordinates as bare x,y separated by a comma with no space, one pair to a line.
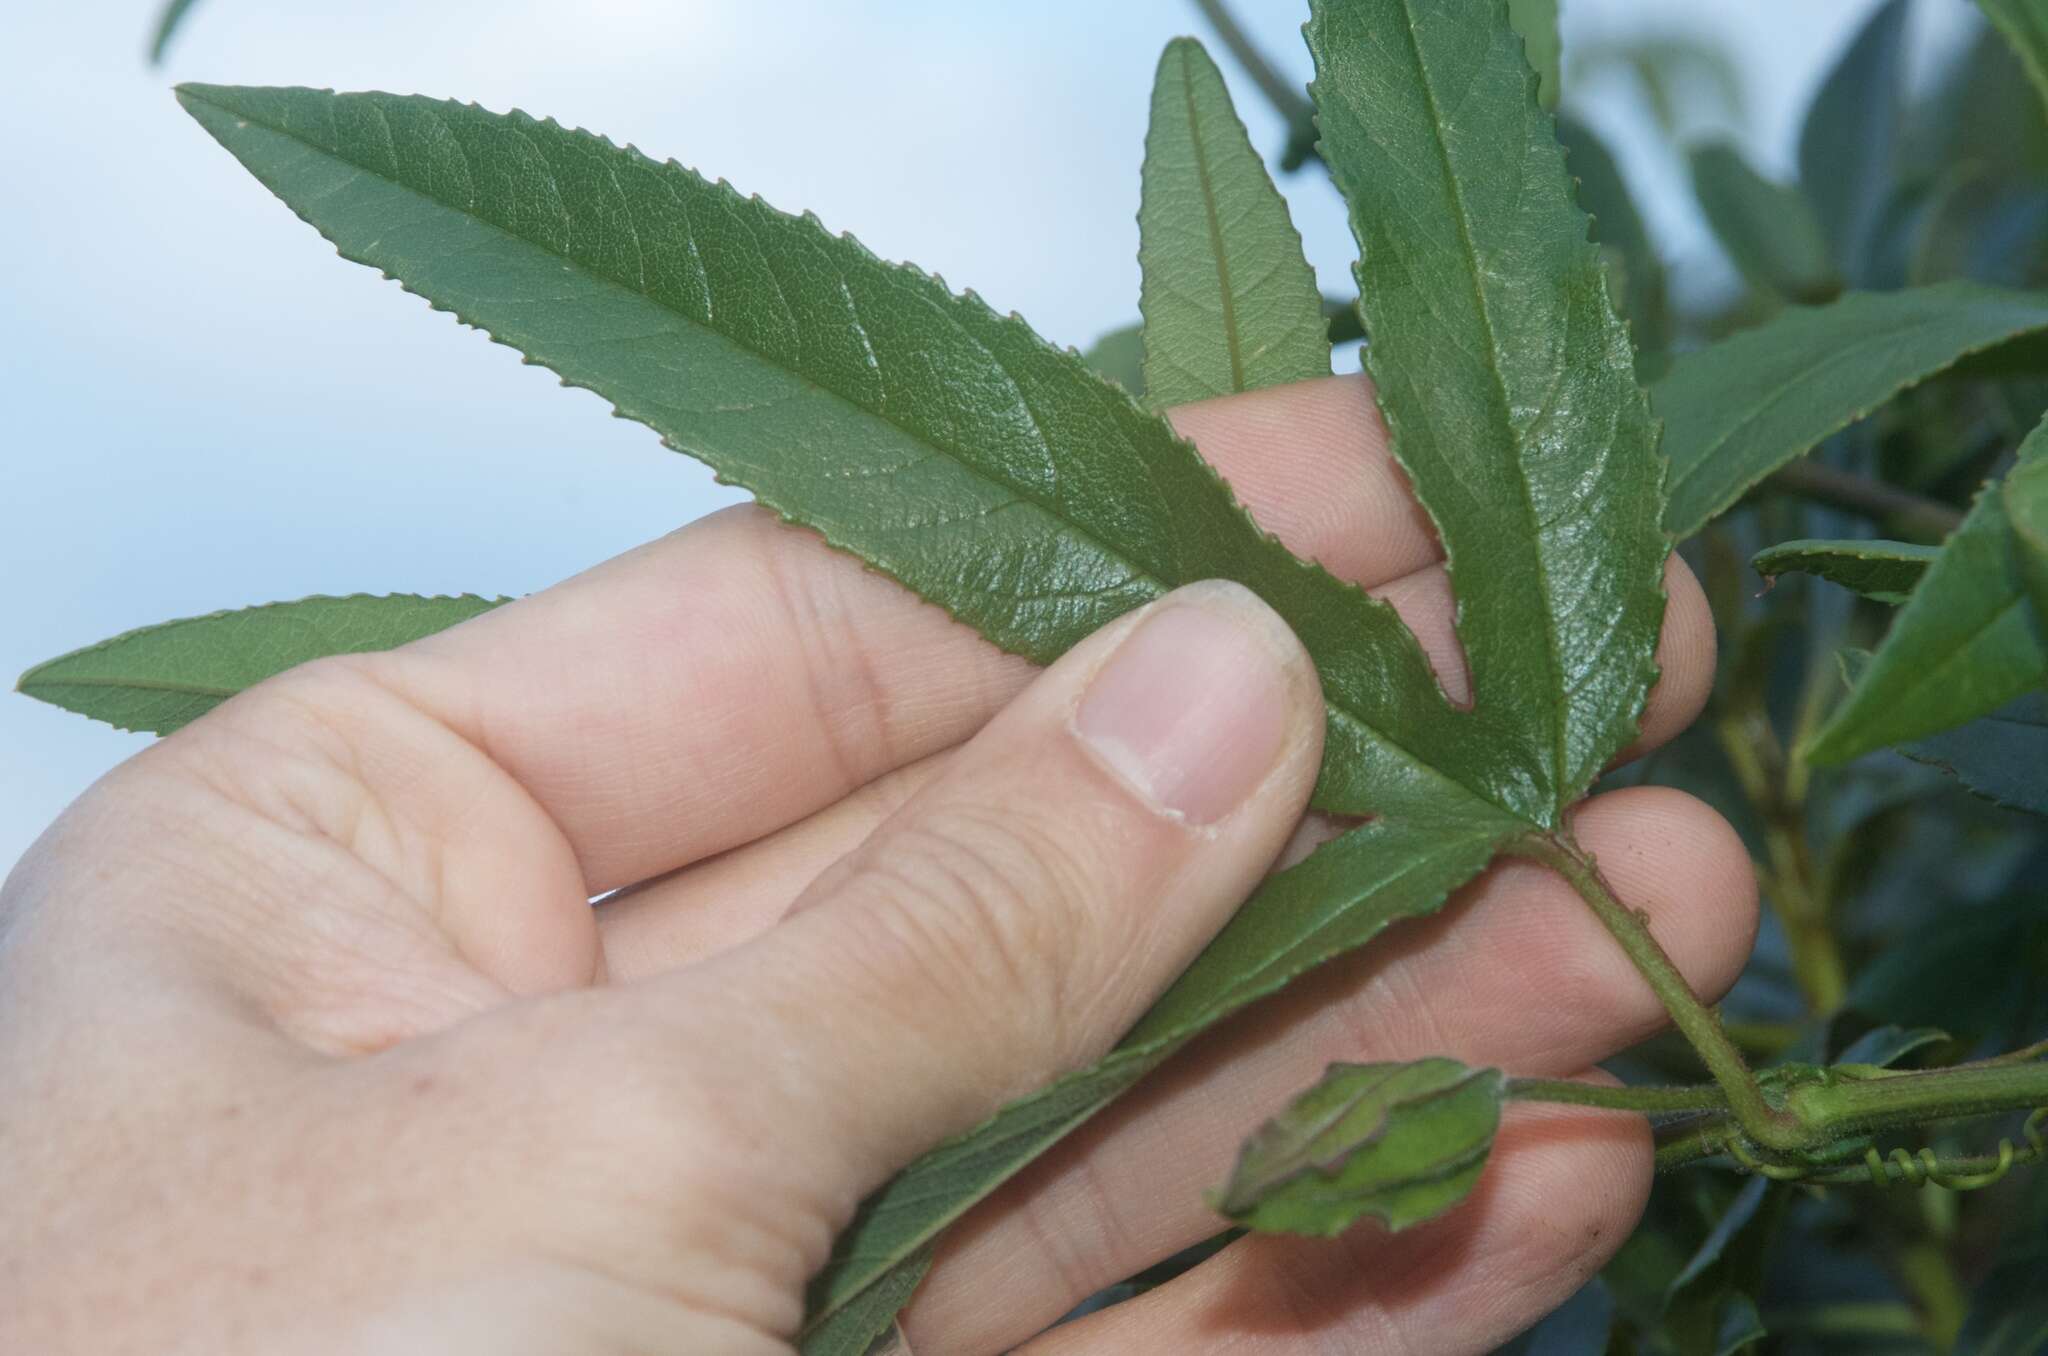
1337,708
1497,387
1231,343
136,684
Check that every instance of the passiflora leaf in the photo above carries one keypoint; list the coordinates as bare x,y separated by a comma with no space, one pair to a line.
2024,25
1883,570
1504,375
1740,409
1230,304
999,477
1400,1142
162,677
167,21
1768,230
1967,642
1849,146
2026,508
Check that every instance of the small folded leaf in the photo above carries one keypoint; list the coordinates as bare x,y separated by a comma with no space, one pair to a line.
1768,230
1882,570
2024,25
161,677
1738,410
1230,303
1400,1142
1849,146
1966,643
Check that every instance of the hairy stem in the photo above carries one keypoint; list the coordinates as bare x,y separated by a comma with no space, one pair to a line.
1848,1106
1767,1125
1899,509
1650,1100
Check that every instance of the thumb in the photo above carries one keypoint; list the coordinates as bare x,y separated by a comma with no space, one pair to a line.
1020,913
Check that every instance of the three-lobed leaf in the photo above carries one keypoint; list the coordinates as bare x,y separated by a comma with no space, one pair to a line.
1884,571
1740,409
1967,642
1399,1142
1001,479
1229,302
160,678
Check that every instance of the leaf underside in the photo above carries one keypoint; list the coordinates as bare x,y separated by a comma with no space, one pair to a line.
996,476
1882,570
1740,409
160,678
1967,642
1229,302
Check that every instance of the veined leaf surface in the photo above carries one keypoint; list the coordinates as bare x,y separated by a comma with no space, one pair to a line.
1738,410
998,477
159,678
1882,570
1967,642
1505,377
1230,304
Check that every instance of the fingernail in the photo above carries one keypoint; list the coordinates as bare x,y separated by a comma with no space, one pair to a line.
1193,707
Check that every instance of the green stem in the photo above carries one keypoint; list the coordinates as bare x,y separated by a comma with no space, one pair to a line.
1904,512
1849,1106
1648,1100
1767,1125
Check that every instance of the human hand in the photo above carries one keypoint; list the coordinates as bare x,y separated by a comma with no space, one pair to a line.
310,1039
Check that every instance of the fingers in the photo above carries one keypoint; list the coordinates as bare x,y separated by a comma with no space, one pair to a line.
1561,1192
689,915
1021,910
1514,973
738,675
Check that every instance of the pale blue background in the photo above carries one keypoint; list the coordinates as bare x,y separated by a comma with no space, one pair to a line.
202,407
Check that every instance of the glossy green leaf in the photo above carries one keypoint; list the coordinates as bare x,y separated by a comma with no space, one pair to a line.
1883,570
1536,21
2024,25
1230,304
1504,375
1849,146
161,677
1738,410
1967,642
1768,230
2026,508
168,20
997,476
1400,1142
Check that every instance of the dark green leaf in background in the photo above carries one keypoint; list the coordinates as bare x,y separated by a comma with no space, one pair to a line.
162,677
2026,508
1883,570
1849,147
1967,642
2024,24
1768,230
1230,304
2003,757
1399,1142
1738,410
1120,356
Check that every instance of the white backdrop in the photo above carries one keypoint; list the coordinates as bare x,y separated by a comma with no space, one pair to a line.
201,407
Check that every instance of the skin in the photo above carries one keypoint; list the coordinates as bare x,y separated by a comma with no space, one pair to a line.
312,1041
